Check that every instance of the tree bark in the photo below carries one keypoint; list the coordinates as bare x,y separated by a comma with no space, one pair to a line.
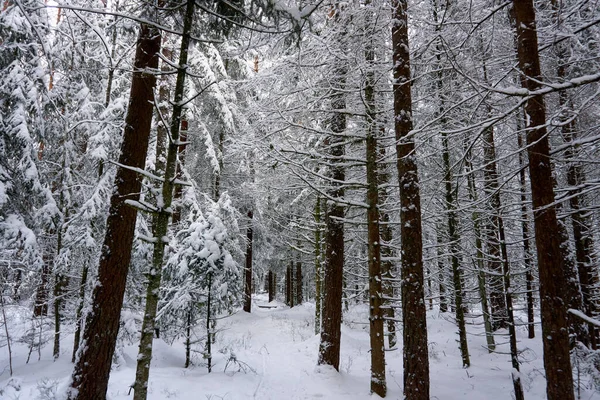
526,242
318,269
161,219
555,336
489,335
377,339
415,352
92,367
248,266
333,268
299,284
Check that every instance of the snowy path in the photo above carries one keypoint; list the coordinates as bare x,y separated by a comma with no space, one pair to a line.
279,346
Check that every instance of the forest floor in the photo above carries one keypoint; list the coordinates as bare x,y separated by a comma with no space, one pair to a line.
272,354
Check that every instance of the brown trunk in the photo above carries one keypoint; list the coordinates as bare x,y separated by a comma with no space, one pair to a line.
92,368
271,286
299,294
491,231
333,265
248,267
415,352
388,271
555,336
377,340
40,307
526,243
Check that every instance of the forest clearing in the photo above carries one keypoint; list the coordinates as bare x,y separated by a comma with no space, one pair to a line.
276,352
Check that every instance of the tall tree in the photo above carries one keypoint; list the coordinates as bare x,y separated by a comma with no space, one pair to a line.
415,353
377,341
92,367
163,213
333,268
555,335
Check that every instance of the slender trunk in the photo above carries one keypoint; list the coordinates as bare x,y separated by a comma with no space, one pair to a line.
79,312
441,269
377,339
415,352
555,336
489,335
299,294
288,285
209,333
163,214
388,271
8,344
92,367
527,255
318,269
248,267
40,308
188,339
491,228
512,334
453,234
60,281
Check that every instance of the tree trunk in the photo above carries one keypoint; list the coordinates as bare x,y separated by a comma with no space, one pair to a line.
415,352
318,269
454,243
526,241
92,367
79,312
248,267
377,339
271,286
161,220
555,335
333,268
299,286
388,270
489,335
491,228
40,308
209,333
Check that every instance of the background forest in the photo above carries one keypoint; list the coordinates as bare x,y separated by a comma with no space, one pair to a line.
193,191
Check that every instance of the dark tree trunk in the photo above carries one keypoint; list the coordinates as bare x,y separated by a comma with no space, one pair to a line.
555,337
318,269
415,352
288,285
271,286
527,253
92,367
40,308
248,267
333,268
388,270
161,218
377,340
491,233
491,345
299,293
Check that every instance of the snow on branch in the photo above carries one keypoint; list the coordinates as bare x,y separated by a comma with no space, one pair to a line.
584,317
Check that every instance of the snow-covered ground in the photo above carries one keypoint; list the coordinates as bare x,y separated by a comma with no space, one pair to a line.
277,352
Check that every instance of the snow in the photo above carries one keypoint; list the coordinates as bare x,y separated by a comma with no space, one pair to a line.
272,353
